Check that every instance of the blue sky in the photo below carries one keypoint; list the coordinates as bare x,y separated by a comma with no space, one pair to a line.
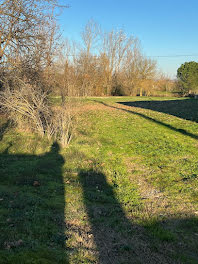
164,27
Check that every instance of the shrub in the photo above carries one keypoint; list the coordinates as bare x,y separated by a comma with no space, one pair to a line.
29,108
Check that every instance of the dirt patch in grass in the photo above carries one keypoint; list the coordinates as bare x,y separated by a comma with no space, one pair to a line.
155,201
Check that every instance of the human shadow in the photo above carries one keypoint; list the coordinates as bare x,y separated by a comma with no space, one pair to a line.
178,130
106,218
32,202
186,108
118,240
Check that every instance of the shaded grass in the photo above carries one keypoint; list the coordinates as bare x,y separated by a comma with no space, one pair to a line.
32,208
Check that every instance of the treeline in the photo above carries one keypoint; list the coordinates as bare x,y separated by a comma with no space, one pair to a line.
105,63
102,64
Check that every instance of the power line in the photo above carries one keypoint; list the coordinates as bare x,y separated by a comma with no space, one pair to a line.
174,56
154,56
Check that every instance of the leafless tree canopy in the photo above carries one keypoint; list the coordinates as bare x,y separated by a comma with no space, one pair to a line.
107,63
21,25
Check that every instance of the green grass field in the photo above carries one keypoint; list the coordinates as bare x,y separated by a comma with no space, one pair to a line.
124,191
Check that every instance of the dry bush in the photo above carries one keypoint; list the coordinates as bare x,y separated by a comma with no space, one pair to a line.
29,108
63,124
26,106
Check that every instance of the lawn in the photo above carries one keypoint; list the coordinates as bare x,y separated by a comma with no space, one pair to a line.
124,191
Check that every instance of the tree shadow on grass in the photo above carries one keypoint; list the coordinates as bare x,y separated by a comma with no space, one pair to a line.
119,240
179,130
186,109
32,204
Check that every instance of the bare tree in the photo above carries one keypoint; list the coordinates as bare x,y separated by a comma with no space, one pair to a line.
138,69
20,25
66,70
115,47
90,36
87,60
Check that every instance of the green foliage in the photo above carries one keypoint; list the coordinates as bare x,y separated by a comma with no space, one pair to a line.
187,74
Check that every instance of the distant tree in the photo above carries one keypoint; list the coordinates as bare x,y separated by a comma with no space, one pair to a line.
138,70
115,46
187,74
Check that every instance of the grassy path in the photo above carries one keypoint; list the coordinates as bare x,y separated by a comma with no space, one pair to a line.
124,191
